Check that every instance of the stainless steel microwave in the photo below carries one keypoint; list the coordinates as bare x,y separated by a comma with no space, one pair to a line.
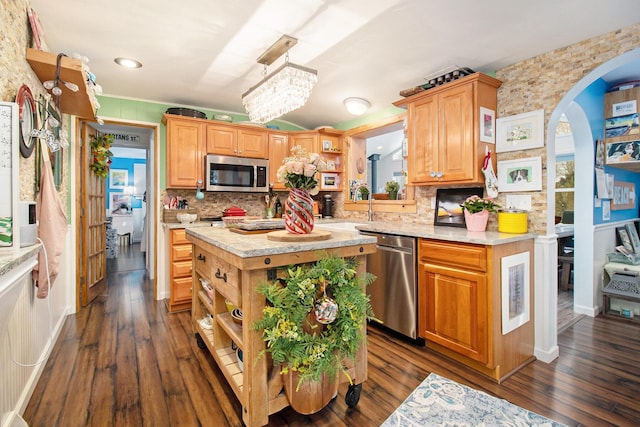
229,173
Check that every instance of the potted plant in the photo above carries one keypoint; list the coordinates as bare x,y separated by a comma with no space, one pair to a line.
392,188
476,212
314,320
364,193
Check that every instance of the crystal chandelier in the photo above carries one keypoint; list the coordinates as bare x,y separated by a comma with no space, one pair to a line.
286,89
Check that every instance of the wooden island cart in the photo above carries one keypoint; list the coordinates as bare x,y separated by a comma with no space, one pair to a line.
232,265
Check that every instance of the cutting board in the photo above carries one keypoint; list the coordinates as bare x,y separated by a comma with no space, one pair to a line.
285,236
241,231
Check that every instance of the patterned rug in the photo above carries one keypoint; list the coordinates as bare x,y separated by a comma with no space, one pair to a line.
439,401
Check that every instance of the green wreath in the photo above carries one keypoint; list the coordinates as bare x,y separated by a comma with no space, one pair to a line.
298,344
101,154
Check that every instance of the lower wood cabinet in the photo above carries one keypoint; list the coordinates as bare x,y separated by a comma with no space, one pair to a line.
460,305
180,271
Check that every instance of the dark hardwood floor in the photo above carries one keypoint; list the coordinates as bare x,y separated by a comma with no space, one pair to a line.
124,361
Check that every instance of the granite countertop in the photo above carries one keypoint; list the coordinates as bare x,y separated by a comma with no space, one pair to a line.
452,234
10,258
255,245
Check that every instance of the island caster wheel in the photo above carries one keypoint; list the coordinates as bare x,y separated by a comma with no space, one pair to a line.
200,341
353,395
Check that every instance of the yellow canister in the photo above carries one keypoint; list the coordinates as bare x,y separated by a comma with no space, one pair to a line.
512,221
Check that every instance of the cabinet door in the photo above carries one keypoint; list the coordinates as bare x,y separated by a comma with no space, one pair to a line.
308,141
456,147
253,143
185,153
278,150
222,140
453,310
423,137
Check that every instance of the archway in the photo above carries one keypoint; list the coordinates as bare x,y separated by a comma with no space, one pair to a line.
588,280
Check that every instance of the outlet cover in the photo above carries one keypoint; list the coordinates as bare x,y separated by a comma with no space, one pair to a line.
519,201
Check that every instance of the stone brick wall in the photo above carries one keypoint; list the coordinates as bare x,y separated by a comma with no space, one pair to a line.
15,71
541,83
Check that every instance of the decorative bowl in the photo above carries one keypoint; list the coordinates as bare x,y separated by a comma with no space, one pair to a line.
236,315
186,218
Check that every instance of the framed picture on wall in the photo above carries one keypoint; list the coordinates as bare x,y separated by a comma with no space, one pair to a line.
118,178
487,125
520,132
515,291
520,174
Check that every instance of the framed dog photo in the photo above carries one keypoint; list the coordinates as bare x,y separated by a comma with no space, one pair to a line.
520,174
520,132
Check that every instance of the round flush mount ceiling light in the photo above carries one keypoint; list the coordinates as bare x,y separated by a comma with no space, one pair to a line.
128,62
356,106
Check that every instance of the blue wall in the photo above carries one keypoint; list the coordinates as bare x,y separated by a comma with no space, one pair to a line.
123,164
592,102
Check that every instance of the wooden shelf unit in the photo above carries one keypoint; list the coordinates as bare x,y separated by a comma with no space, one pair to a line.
75,103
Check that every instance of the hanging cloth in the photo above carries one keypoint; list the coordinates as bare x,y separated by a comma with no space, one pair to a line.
490,178
52,226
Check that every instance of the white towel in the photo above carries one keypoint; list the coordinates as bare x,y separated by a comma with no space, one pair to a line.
52,226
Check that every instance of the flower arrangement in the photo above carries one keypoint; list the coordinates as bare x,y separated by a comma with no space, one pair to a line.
300,170
475,204
101,153
294,341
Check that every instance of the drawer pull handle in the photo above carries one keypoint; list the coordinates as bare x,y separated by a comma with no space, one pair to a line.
201,257
221,276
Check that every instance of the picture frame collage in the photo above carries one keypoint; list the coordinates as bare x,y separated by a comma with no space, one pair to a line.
516,133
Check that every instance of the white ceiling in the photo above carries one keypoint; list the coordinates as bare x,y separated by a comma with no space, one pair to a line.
203,52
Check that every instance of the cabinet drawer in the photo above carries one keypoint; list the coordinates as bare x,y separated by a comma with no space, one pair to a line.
181,269
181,252
179,236
181,289
224,277
453,254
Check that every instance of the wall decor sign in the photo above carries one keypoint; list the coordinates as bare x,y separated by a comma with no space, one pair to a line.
8,172
621,125
520,174
520,132
624,108
515,291
487,125
118,178
623,152
624,195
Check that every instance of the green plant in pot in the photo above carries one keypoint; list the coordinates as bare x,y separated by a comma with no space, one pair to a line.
364,193
392,187
305,336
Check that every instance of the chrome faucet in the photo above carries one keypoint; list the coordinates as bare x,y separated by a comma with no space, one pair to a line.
355,197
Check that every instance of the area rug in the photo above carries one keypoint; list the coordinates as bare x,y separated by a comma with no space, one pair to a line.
439,401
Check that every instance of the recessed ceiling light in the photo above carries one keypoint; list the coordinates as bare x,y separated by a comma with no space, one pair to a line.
128,62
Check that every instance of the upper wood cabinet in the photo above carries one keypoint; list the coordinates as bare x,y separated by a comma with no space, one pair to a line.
307,140
186,149
278,150
230,140
443,129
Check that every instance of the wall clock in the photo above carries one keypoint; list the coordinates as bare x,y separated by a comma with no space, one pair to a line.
27,116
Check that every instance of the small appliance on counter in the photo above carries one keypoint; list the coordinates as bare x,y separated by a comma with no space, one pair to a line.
28,226
327,206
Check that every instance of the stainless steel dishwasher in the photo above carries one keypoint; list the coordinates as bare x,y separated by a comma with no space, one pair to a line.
394,294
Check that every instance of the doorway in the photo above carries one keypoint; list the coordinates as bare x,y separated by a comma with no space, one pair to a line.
138,136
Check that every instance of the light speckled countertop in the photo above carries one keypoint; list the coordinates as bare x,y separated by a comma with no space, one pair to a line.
10,258
452,234
255,245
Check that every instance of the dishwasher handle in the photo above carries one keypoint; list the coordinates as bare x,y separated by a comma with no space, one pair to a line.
395,249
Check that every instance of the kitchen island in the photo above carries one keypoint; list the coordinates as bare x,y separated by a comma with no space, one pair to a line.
234,265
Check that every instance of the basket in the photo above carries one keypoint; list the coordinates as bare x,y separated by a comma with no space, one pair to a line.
171,215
